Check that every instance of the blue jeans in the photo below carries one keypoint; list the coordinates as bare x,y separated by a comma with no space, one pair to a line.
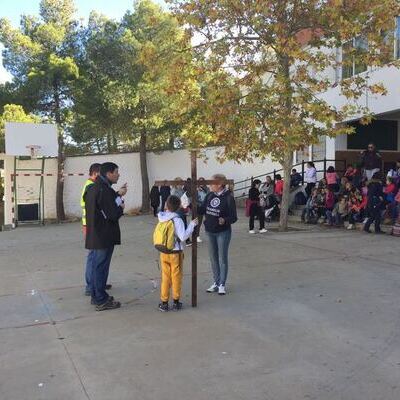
89,270
330,217
218,247
101,267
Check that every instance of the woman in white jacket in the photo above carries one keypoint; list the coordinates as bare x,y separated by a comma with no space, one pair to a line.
310,178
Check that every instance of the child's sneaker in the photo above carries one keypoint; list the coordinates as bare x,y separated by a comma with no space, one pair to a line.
221,290
350,227
163,307
177,305
213,288
252,232
263,231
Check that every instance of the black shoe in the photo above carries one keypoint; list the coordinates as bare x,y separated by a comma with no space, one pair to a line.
163,307
94,303
108,286
88,293
177,305
108,305
366,230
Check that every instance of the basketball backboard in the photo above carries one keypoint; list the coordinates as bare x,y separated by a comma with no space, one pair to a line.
20,137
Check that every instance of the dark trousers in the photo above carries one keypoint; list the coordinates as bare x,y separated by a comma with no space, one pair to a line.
101,268
155,209
163,201
355,216
374,215
309,188
256,210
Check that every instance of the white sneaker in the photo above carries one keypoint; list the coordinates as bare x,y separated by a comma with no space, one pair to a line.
263,231
221,290
252,232
350,227
199,239
213,288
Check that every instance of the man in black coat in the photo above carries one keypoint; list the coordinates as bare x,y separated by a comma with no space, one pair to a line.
375,203
371,161
165,192
104,208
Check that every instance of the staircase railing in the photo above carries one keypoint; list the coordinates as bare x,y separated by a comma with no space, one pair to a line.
242,187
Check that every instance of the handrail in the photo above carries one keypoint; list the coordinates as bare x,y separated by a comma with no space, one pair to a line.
274,173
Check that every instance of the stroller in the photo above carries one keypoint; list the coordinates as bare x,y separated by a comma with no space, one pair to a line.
271,209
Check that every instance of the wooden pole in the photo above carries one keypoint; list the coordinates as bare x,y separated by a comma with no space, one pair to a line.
193,157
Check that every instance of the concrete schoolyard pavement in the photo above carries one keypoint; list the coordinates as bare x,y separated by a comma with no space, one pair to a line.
310,314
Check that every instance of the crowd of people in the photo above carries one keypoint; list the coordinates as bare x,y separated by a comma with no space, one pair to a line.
361,195
102,207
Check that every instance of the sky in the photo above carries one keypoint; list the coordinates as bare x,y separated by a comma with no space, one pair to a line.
13,9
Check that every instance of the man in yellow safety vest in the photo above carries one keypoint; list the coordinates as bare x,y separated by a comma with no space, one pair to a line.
94,172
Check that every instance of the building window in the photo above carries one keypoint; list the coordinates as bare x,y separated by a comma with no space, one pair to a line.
383,133
351,65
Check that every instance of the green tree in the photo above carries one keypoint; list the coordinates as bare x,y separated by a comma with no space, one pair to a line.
40,56
95,121
140,94
276,52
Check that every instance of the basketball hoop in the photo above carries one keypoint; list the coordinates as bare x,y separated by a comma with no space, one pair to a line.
33,150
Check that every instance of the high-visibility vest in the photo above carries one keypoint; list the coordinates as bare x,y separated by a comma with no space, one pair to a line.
88,183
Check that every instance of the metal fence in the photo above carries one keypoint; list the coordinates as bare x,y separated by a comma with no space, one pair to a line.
242,187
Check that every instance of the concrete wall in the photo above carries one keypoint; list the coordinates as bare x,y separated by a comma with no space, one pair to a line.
164,165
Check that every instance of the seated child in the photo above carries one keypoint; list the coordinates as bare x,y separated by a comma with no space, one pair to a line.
329,205
357,206
340,211
169,242
309,209
389,190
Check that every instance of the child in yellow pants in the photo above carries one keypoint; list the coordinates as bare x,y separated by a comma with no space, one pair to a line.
172,264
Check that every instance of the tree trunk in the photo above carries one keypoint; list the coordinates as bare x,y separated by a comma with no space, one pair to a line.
109,144
60,179
284,213
144,173
171,141
61,158
288,154
114,142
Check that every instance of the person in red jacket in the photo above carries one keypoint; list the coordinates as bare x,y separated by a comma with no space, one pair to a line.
329,205
278,191
357,206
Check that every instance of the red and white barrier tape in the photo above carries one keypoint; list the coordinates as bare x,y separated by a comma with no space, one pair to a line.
12,175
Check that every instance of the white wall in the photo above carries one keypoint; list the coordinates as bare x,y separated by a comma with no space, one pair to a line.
388,76
164,165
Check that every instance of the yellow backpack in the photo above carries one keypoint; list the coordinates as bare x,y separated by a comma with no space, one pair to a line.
164,237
